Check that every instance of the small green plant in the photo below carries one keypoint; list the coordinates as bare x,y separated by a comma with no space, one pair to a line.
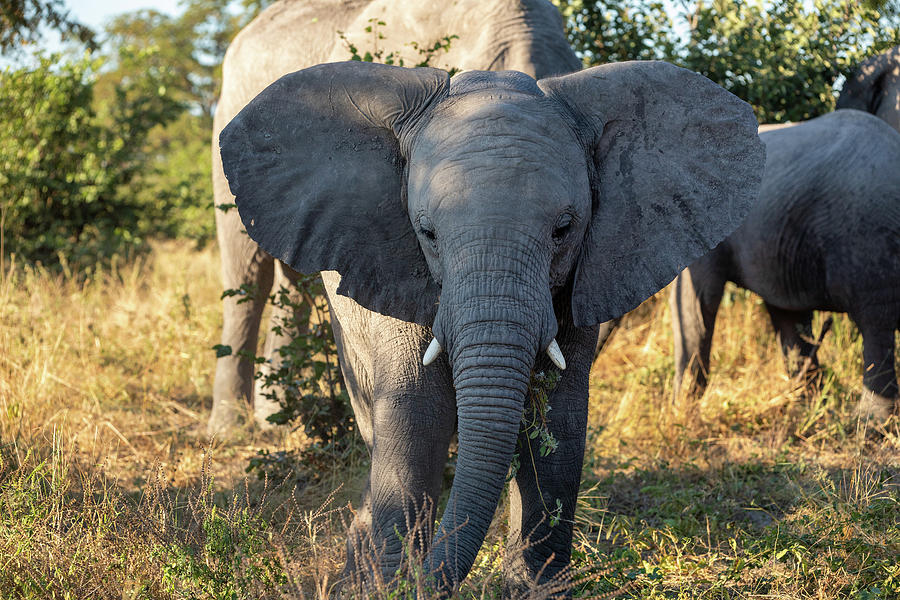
304,378
308,382
377,55
231,563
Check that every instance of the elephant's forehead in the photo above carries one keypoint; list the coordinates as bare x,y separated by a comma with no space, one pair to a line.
496,132
478,115
487,150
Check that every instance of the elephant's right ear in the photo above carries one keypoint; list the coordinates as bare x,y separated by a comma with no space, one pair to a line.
677,165
315,166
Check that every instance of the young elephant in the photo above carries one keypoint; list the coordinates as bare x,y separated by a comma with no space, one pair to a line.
487,223
825,235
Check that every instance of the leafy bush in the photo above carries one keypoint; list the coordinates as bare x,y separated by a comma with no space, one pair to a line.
308,382
783,57
66,163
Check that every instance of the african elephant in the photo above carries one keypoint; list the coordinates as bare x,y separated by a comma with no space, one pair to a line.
526,35
875,87
472,231
825,235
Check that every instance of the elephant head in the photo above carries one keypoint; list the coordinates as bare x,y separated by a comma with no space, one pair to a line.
875,87
465,205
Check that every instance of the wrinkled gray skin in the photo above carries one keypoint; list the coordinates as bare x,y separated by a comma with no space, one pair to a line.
525,35
495,213
875,87
825,235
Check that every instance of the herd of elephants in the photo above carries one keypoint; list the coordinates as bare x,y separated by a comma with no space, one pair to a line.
476,228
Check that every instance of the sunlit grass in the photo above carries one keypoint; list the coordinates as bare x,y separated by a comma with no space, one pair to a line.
109,488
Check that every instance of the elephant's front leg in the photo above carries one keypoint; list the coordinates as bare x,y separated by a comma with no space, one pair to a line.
412,420
544,491
694,299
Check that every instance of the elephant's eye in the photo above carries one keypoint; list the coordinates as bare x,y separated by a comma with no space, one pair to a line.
562,227
426,229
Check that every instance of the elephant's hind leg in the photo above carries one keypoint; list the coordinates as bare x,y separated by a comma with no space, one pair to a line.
879,377
249,271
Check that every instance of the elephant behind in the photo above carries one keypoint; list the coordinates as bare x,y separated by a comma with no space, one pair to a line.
525,35
875,87
824,235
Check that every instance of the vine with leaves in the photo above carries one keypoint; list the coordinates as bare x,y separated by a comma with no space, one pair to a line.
535,424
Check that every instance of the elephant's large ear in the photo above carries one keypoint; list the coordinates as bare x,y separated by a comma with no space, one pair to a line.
677,165
871,83
315,166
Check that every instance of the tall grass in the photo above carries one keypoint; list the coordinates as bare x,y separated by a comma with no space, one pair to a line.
108,487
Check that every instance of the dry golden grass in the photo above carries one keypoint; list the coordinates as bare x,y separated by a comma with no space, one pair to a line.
108,487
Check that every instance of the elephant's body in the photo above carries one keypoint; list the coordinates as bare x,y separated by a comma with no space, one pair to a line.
504,219
875,87
524,35
824,235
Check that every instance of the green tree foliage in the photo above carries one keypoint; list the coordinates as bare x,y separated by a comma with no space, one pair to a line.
606,31
99,153
191,44
67,162
21,22
175,182
784,56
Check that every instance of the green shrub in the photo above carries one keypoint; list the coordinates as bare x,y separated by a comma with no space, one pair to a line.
67,162
784,57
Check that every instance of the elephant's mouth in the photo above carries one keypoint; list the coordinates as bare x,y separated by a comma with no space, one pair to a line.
553,351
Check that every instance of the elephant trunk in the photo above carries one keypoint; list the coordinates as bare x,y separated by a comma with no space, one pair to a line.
493,330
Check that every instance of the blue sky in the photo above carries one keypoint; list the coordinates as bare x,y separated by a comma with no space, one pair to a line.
95,13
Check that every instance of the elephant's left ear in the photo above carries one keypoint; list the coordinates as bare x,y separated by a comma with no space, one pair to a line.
315,165
678,165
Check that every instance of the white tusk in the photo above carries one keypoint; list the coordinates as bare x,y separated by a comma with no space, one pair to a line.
556,355
434,348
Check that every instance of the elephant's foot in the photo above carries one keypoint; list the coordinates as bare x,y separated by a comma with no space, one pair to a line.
874,409
226,417
263,408
369,572
519,586
522,580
